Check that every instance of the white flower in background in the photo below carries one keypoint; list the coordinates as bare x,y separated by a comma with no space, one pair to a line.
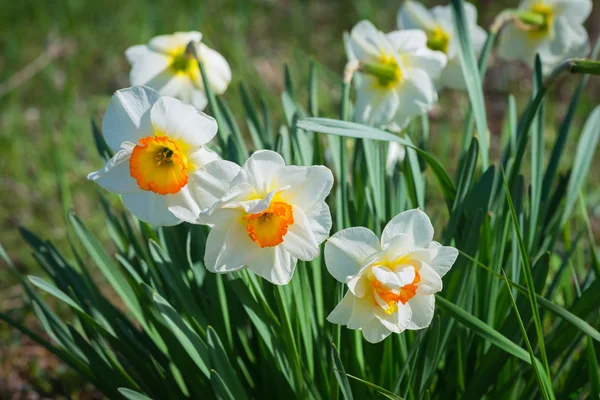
561,36
165,65
395,155
397,72
391,283
159,149
437,24
267,217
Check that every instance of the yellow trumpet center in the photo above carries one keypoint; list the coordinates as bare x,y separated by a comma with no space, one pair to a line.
546,11
158,165
183,63
438,39
268,228
391,297
386,71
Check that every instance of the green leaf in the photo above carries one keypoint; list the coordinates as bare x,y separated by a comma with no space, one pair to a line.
472,77
221,364
482,329
384,392
543,381
586,148
593,370
222,391
528,277
340,374
351,129
132,394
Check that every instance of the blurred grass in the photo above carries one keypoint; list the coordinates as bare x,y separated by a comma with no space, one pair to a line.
51,112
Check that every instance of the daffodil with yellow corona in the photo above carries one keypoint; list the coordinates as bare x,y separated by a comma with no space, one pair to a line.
551,28
159,144
267,217
437,25
397,70
168,64
391,282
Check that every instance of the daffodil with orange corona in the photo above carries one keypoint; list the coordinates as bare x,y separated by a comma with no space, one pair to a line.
267,215
391,282
159,144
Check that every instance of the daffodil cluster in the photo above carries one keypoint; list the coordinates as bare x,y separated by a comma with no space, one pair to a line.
265,215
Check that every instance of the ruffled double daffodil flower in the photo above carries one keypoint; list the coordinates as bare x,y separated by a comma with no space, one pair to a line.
551,28
167,64
437,25
391,282
267,215
395,82
160,148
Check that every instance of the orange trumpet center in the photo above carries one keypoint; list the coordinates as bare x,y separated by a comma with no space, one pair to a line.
268,228
158,165
392,298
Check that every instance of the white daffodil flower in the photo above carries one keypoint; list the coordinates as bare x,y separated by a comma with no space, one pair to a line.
395,82
159,145
437,24
165,64
391,283
560,36
267,217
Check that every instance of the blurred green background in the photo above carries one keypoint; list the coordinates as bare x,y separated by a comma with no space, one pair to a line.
60,61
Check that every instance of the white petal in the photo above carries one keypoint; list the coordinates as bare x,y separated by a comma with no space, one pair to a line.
414,15
299,241
395,155
570,41
414,223
308,186
432,62
516,44
375,331
576,11
168,43
259,170
180,121
423,308
407,41
398,321
320,221
362,314
136,52
115,176
387,277
358,285
444,259
229,249
212,181
452,76
127,117
274,264
417,95
365,41
199,99
406,275
347,250
342,312
201,157
150,207
217,69
146,67
430,283
172,85
399,246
